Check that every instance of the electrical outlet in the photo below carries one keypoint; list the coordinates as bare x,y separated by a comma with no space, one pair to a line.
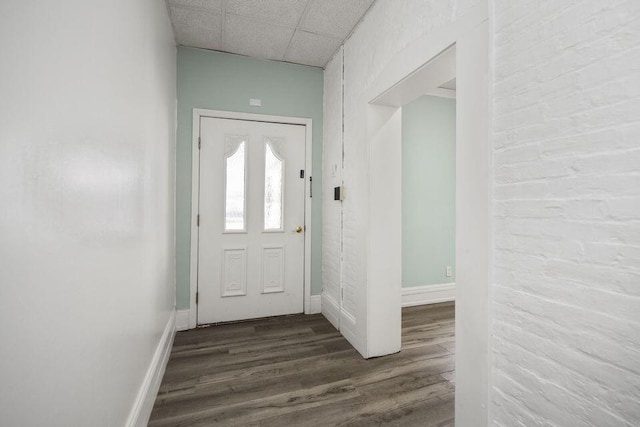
449,271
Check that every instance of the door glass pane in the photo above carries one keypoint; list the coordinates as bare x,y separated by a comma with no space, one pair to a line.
235,190
273,173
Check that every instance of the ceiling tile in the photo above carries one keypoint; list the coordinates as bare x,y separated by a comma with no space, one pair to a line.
311,49
212,5
196,28
283,12
250,37
335,18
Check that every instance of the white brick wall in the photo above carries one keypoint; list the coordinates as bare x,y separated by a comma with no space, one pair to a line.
388,27
332,177
567,213
566,137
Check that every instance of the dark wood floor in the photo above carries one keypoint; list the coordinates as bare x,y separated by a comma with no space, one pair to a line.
298,371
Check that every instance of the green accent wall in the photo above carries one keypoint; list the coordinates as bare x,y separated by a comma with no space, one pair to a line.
221,81
428,191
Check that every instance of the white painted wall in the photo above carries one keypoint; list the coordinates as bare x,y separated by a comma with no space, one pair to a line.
87,142
384,234
567,213
388,28
392,41
566,200
331,178
473,227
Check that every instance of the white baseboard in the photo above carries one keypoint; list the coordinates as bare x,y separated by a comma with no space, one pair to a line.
315,304
182,320
349,329
141,411
428,294
330,310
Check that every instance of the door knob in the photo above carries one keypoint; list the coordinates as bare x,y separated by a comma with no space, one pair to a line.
298,229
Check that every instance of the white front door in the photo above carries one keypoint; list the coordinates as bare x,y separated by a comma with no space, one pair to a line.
251,233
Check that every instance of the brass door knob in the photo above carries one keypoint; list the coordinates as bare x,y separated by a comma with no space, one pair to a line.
298,229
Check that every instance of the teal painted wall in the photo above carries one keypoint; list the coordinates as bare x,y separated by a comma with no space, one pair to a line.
428,191
221,81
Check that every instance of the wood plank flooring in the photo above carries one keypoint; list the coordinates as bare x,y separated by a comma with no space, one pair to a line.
299,371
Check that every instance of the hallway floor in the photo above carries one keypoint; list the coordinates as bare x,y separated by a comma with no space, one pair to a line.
299,371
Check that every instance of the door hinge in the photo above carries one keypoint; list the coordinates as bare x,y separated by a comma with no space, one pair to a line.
310,186
197,296
341,294
199,143
198,220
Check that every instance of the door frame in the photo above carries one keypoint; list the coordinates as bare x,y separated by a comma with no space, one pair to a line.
198,114
471,36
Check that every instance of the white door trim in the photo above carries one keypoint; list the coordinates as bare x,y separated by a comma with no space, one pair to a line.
198,113
380,319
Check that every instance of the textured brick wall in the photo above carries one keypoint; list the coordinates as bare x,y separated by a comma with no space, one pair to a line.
388,27
566,137
332,177
566,134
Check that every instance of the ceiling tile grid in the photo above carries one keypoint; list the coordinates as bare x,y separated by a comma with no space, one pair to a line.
335,18
281,12
305,32
211,5
247,36
311,49
197,28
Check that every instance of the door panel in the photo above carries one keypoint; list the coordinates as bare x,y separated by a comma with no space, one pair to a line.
251,233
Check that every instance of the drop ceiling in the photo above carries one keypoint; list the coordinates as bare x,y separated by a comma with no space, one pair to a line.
304,32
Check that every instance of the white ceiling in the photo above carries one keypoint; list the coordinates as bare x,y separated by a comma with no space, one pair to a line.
301,31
